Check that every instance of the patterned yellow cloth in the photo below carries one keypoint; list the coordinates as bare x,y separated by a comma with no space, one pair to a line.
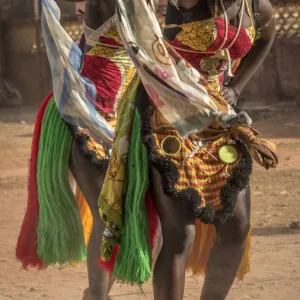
198,35
94,147
110,199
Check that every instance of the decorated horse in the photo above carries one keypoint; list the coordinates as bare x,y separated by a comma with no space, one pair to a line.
140,163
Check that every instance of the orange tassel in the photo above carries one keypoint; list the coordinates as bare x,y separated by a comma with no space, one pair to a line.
204,240
85,214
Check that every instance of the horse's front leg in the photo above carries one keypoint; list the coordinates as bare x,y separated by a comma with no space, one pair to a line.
90,180
178,230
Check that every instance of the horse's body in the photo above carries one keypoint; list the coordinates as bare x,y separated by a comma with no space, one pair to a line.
177,219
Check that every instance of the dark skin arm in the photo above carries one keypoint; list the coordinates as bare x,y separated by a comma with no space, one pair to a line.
97,12
256,55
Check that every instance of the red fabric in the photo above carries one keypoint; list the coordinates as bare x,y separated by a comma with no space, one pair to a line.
239,49
108,266
107,78
108,40
242,44
26,249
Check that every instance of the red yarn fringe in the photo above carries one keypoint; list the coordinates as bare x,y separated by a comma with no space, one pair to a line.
26,249
108,266
152,217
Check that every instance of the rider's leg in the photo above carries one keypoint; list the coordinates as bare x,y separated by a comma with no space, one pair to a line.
90,180
227,253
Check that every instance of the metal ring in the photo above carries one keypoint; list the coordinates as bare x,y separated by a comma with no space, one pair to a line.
166,152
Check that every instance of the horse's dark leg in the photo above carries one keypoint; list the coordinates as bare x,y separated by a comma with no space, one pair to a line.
178,230
228,251
90,180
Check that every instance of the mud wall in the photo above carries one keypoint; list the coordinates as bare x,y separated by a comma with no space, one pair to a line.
277,80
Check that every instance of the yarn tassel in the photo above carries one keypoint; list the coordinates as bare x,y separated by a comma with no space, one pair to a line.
245,263
26,248
109,265
133,263
152,218
204,240
85,214
60,231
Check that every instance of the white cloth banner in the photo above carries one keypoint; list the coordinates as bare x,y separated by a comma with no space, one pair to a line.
74,94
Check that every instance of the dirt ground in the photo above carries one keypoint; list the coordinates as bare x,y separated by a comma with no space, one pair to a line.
275,254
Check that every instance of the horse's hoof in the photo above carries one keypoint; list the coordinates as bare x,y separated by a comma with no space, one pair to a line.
86,294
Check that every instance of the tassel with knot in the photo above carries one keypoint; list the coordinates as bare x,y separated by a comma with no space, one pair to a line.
262,151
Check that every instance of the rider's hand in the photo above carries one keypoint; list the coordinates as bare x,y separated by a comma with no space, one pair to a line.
229,95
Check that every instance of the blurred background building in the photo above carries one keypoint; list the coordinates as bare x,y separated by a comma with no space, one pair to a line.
23,59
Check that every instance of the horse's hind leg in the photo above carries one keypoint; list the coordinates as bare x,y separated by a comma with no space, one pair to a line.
228,251
90,180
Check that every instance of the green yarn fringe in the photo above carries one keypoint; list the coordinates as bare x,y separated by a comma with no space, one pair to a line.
60,231
133,263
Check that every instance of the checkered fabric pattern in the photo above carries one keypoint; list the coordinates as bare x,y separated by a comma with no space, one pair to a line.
95,147
204,171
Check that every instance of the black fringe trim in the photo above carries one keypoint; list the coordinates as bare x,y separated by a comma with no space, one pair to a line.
82,139
229,193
